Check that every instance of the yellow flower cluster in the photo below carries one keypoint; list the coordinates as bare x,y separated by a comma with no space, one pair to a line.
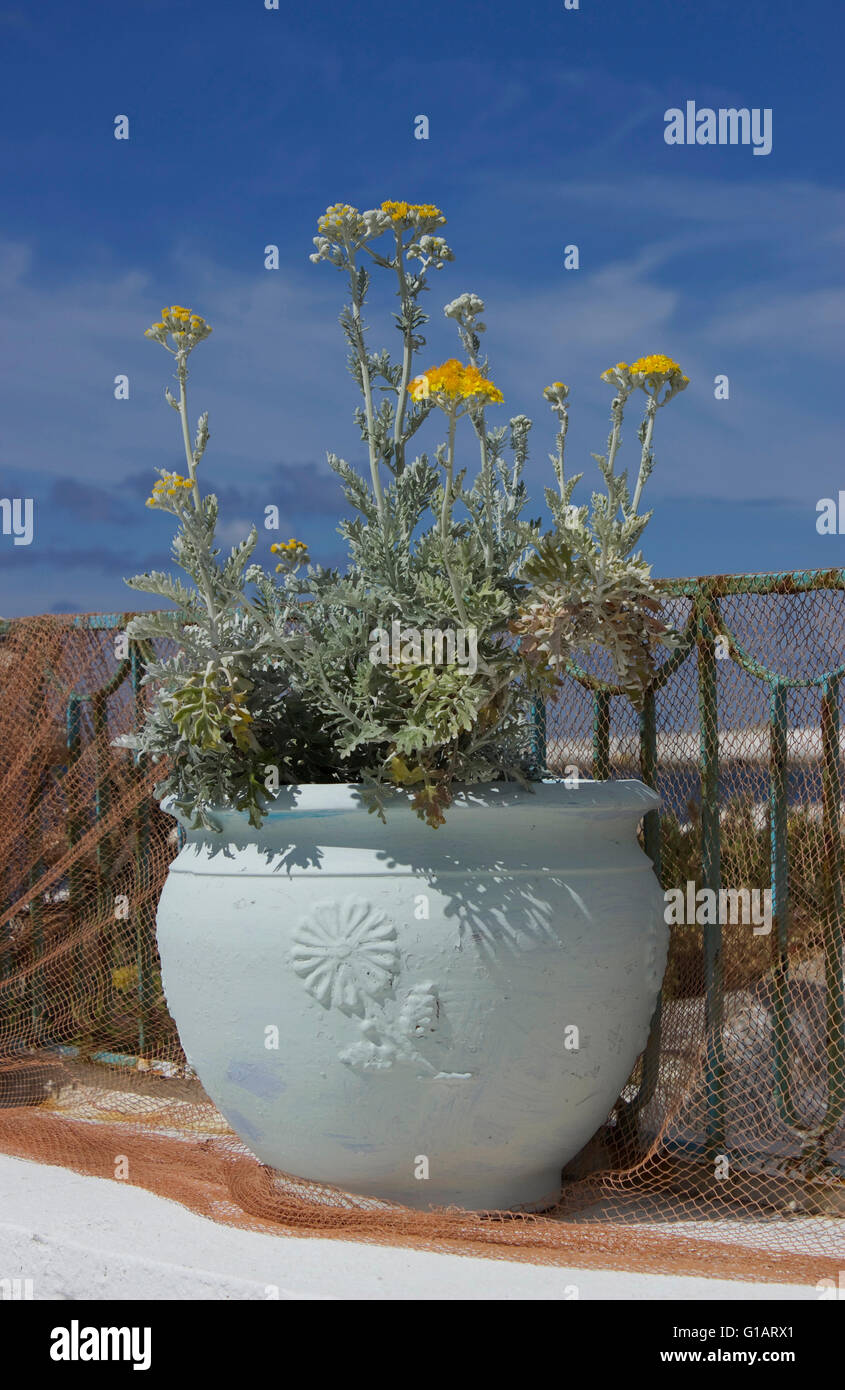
656,368
341,219
412,214
290,547
557,393
455,382
655,365
188,329
292,551
181,319
168,486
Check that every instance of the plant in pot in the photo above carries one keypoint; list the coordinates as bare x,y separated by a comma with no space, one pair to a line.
402,958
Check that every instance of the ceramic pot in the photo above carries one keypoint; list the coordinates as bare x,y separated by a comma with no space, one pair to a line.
430,1016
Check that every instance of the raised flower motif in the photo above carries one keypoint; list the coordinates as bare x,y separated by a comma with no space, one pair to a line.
346,953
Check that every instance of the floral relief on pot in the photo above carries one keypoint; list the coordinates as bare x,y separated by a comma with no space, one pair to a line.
346,954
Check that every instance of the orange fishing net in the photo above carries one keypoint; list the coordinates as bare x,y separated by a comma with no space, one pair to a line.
724,1154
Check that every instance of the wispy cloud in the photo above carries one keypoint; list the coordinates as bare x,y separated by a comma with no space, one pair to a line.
273,375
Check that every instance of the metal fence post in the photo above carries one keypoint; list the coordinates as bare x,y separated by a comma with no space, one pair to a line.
708,715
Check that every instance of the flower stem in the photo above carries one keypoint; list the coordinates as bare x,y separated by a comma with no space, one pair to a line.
560,470
446,518
487,489
651,413
367,388
186,433
616,426
407,355
205,581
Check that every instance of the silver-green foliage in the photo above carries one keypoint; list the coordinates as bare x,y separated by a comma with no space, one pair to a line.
264,679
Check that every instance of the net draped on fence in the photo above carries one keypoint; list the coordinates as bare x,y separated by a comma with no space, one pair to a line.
725,1154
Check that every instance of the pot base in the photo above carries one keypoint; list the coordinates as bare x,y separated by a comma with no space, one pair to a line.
532,1194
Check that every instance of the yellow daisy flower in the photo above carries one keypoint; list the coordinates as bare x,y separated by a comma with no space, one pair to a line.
452,382
655,365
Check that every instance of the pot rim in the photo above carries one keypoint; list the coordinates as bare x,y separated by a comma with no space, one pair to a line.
551,795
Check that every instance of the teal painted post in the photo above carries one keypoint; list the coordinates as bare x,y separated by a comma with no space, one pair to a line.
708,720
538,736
601,735
813,1136
835,987
648,771
778,801
651,837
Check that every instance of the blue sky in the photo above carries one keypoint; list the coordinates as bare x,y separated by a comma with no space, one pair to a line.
546,129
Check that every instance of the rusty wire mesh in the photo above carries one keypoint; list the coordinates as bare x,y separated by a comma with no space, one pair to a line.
724,1154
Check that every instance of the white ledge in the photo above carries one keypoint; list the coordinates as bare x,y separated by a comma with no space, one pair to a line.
92,1238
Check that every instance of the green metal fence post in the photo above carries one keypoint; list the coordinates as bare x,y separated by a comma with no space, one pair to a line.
651,838
708,716
778,772
538,735
601,735
648,772
835,1005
